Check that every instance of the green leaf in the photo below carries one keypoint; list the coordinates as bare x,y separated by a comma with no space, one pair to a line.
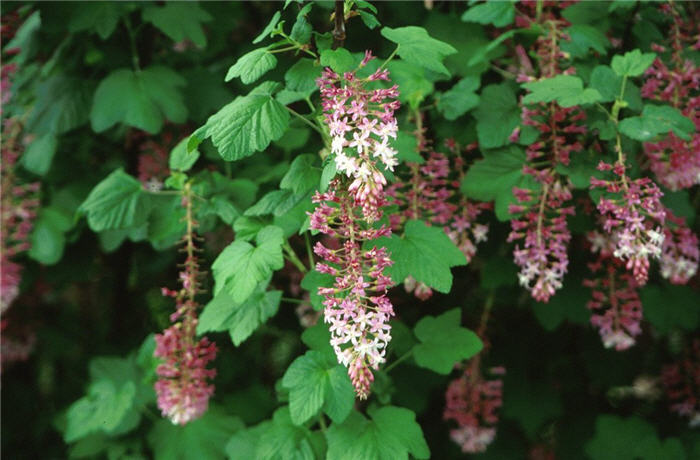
500,14
252,65
201,439
114,400
62,104
418,48
268,28
530,403
311,282
460,99
415,87
493,178
179,21
278,439
632,64
369,19
568,304
425,253
670,308
302,76
39,154
339,60
392,434
318,338
116,203
48,235
276,202
406,146
241,266
314,381
103,409
303,175
609,84
246,125
655,120
181,159
630,438
102,17
142,100
301,30
566,90
584,38
443,342
239,319
497,115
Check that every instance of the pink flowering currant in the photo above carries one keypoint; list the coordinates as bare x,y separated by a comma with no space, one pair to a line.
18,207
675,161
681,382
680,253
634,217
473,402
616,309
357,308
541,222
431,195
182,387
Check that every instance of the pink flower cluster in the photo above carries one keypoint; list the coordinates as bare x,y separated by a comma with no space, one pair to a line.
361,122
634,216
541,221
473,402
18,206
681,381
675,161
356,306
615,304
680,253
431,195
182,388
542,258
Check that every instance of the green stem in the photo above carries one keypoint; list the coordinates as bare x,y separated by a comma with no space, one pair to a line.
132,44
399,360
291,300
322,422
293,258
391,56
305,120
309,250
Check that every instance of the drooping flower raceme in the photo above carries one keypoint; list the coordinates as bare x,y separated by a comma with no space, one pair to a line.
357,309
676,161
616,309
634,216
539,225
431,194
182,388
361,123
18,206
681,382
680,253
473,402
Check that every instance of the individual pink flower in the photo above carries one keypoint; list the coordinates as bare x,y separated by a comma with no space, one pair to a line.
183,387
